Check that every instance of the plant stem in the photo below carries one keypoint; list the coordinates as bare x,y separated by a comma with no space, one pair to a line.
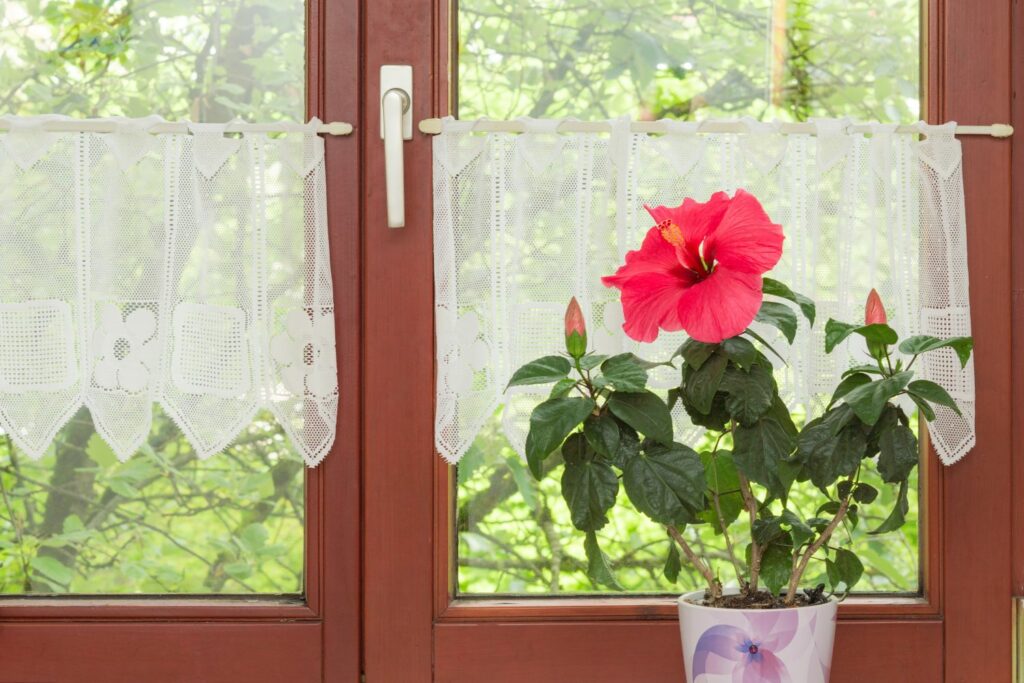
755,548
715,499
714,585
794,579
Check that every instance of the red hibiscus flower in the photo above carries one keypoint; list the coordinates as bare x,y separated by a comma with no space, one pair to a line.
699,269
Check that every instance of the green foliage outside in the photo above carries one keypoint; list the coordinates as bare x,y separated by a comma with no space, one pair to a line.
78,521
690,61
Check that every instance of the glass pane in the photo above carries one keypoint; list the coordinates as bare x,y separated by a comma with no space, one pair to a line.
779,59
78,521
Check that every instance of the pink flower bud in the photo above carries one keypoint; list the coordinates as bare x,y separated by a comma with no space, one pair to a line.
575,330
874,311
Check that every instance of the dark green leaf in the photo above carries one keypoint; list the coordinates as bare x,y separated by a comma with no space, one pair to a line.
779,316
645,412
624,373
869,369
897,453
758,450
850,383
598,568
741,351
879,333
629,445
899,512
550,423
776,288
722,479
672,562
589,489
776,564
694,352
702,383
926,409
923,343
930,391
750,393
845,568
865,493
868,400
716,419
763,343
602,432
541,371
666,483
831,446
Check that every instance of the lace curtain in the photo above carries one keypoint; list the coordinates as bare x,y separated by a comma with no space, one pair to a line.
190,270
524,221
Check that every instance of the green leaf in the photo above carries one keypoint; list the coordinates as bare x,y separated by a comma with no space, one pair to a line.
598,568
562,388
673,564
624,373
869,369
666,483
602,433
898,453
923,343
254,537
926,409
776,564
723,479
776,288
763,343
788,523
550,423
591,360
930,391
740,351
750,393
779,316
868,400
643,411
831,446
865,493
758,449
541,371
53,569
845,568
694,352
238,570
589,488
847,385
702,383
899,512
836,332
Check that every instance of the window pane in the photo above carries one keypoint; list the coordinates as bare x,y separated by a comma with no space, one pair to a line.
783,59
78,521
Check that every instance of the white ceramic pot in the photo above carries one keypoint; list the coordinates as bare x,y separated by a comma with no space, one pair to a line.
756,645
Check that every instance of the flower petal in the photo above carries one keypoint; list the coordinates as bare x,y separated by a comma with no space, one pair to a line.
321,380
765,669
293,378
105,372
651,282
696,219
132,375
774,628
720,306
718,651
746,240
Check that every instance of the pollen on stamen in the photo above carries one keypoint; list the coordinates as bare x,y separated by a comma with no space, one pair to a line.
671,233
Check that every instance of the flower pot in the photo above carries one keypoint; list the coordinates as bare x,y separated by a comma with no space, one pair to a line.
747,645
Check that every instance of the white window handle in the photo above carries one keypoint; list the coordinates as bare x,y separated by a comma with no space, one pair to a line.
395,127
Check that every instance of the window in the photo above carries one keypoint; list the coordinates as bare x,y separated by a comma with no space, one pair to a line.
769,60
78,521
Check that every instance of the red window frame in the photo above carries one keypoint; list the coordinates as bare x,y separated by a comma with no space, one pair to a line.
312,638
415,629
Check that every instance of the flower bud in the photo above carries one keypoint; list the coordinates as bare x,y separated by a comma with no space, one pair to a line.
575,330
874,311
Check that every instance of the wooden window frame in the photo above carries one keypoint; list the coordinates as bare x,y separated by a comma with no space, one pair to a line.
417,630
312,637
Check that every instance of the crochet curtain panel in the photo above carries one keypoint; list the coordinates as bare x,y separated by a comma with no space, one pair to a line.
522,222
189,270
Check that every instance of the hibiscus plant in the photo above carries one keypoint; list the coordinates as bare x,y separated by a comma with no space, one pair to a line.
701,269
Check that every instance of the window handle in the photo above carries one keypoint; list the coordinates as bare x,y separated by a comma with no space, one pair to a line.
395,127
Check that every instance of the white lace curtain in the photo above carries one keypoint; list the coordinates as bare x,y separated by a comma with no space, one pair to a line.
190,270
522,222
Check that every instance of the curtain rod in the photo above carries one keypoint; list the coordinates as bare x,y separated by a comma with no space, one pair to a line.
104,126
433,127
